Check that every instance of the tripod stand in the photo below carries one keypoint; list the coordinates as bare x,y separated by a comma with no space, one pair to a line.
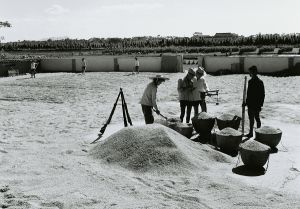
214,93
126,116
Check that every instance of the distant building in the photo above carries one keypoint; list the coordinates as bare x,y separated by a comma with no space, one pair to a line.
224,36
199,34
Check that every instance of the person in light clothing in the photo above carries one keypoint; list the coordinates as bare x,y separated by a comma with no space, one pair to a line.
33,67
83,65
201,88
185,89
148,101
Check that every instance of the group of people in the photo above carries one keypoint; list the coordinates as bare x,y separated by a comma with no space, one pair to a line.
192,90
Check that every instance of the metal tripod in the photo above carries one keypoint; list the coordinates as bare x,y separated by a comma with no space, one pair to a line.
126,116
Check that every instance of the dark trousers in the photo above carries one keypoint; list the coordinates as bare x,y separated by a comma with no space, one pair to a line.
254,114
187,105
195,105
83,69
203,102
147,111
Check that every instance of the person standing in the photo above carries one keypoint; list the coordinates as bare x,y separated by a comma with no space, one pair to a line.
83,65
255,99
148,101
137,65
185,91
33,67
201,88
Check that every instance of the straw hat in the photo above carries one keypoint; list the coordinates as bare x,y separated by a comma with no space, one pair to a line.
191,71
159,77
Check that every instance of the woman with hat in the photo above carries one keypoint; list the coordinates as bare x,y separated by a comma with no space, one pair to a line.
201,88
185,89
148,100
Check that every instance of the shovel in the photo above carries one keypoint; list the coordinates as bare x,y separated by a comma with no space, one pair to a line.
160,114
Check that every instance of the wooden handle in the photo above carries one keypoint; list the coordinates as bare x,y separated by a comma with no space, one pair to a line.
243,107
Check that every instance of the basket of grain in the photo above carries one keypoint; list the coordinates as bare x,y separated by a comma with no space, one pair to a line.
170,122
173,122
203,123
228,139
254,154
268,135
228,120
186,129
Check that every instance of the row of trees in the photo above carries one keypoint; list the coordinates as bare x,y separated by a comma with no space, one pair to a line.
158,44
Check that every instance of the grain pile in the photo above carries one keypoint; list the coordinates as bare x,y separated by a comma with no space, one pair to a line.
154,148
229,132
268,130
254,146
204,116
226,117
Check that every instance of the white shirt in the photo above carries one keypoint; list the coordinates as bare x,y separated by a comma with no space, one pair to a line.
33,66
84,64
137,63
149,96
200,86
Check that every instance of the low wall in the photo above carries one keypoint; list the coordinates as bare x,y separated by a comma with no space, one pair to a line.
165,63
147,64
272,65
56,65
23,67
215,64
96,64
267,64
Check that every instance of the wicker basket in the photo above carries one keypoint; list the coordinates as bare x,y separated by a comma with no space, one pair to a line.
228,143
254,158
233,123
203,126
186,130
270,139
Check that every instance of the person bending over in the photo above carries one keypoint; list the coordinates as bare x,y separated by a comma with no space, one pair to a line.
148,101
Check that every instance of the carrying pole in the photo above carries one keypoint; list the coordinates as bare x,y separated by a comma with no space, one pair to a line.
243,106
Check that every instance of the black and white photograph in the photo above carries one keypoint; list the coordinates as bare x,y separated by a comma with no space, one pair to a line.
162,104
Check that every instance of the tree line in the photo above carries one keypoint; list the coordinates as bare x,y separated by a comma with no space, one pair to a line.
161,44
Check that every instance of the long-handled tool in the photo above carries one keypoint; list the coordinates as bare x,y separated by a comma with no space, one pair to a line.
160,114
243,106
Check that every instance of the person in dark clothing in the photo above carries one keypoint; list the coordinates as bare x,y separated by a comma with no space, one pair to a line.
255,99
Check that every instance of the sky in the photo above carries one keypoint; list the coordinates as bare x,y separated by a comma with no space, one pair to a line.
42,19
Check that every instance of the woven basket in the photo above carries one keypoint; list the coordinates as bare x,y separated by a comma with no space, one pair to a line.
203,126
234,123
272,140
186,131
228,143
254,158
